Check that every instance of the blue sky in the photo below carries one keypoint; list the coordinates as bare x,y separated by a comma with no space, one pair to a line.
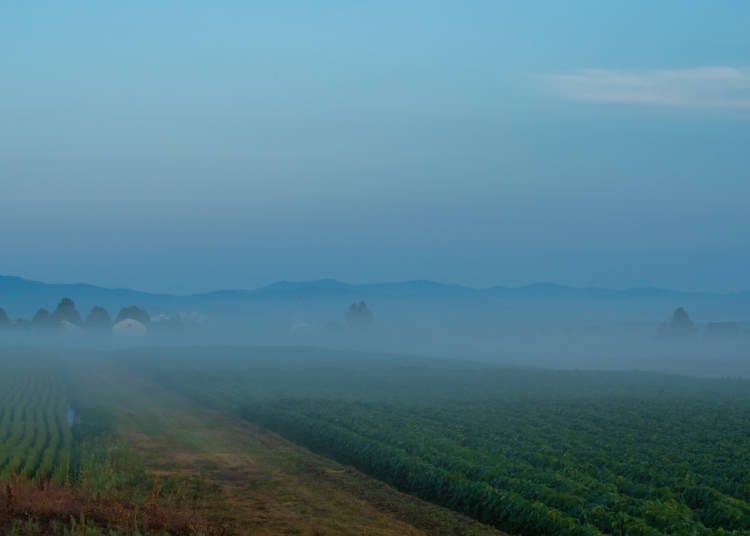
187,146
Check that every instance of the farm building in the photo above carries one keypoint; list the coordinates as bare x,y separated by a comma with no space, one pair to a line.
129,328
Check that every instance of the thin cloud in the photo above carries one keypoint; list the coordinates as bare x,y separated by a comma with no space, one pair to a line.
703,88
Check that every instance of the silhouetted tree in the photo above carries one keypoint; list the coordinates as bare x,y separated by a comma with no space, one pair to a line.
681,321
42,319
66,312
359,315
679,326
4,320
98,320
133,313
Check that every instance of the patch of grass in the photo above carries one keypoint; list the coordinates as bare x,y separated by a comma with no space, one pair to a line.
258,482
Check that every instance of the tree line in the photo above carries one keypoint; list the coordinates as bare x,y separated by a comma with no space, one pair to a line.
66,315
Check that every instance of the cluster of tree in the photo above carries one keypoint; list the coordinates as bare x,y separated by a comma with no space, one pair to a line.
681,325
67,316
359,315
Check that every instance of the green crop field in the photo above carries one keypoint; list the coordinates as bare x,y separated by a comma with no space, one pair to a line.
529,452
143,459
35,437
618,466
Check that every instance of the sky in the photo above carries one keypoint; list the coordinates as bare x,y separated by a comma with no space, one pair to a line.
189,146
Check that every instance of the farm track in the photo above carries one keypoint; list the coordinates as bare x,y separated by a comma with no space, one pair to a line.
254,480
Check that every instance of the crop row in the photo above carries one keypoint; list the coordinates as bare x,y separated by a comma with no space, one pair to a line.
35,439
607,467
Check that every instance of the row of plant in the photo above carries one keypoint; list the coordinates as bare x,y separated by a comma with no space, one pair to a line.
35,437
621,466
530,451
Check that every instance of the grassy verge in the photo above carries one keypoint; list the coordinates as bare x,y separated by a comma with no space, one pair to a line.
226,472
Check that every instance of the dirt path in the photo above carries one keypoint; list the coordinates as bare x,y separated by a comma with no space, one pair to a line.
264,485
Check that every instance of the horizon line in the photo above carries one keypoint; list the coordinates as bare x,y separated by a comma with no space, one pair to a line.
381,283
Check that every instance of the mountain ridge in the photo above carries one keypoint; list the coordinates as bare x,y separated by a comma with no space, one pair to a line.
335,284
25,295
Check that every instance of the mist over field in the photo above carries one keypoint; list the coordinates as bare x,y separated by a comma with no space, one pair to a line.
542,326
374,268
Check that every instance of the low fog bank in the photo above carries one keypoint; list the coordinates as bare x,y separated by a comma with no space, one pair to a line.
708,337
617,348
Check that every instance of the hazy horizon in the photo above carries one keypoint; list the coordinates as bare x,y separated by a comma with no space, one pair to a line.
181,148
387,268
383,282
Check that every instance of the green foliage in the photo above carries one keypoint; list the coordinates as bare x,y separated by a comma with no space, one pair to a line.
35,438
93,424
530,452
101,463
619,466
5,321
66,311
135,313
98,320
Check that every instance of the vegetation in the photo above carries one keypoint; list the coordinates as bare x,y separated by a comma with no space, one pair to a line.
67,318
42,319
530,452
146,460
359,315
35,436
5,321
133,313
98,320
553,467
66,312
62,473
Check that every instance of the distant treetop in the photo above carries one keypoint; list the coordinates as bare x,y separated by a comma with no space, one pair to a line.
66,312
42,319
98,319
134,313
359,315
4,320
681,321
679,327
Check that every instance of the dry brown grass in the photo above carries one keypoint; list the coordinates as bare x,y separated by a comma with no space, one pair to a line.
51,506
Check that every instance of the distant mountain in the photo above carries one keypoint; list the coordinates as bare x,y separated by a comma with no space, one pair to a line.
21,297
334,288
427,288
326,284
